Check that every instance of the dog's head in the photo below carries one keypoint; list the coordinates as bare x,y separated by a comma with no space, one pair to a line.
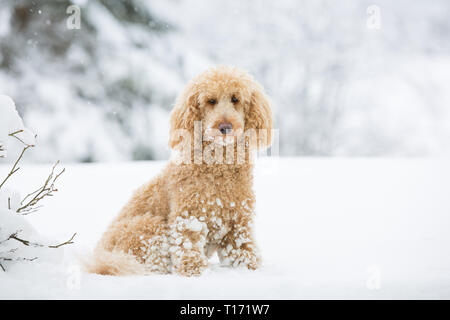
227,102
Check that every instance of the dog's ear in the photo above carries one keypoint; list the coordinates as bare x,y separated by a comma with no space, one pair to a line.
182,117
259,117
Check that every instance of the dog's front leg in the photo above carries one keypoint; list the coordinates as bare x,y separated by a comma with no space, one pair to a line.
187,244
238,248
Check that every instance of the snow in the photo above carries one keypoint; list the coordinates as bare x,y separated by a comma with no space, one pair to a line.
10,223
11,122
326,228
194,225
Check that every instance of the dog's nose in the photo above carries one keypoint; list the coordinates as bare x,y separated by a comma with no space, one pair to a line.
225,127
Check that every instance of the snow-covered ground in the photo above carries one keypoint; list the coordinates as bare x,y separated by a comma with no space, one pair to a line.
327,228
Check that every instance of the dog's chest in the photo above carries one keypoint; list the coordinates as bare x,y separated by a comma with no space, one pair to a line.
218,196
221,214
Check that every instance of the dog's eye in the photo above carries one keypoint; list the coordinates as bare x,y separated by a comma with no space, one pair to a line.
212,101
234,99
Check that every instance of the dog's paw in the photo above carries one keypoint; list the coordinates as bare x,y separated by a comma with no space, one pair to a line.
241,257
190,264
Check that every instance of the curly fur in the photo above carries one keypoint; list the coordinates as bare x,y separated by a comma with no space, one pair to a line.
189,211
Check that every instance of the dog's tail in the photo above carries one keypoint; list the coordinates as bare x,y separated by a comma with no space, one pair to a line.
113,263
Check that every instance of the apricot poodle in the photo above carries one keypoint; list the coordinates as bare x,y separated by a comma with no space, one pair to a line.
202,202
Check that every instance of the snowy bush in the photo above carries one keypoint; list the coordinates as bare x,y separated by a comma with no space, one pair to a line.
18,239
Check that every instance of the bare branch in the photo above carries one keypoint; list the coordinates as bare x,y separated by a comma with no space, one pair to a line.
64,243
18,259
15,168
28,243
14,134
15,259
28,204
30,211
